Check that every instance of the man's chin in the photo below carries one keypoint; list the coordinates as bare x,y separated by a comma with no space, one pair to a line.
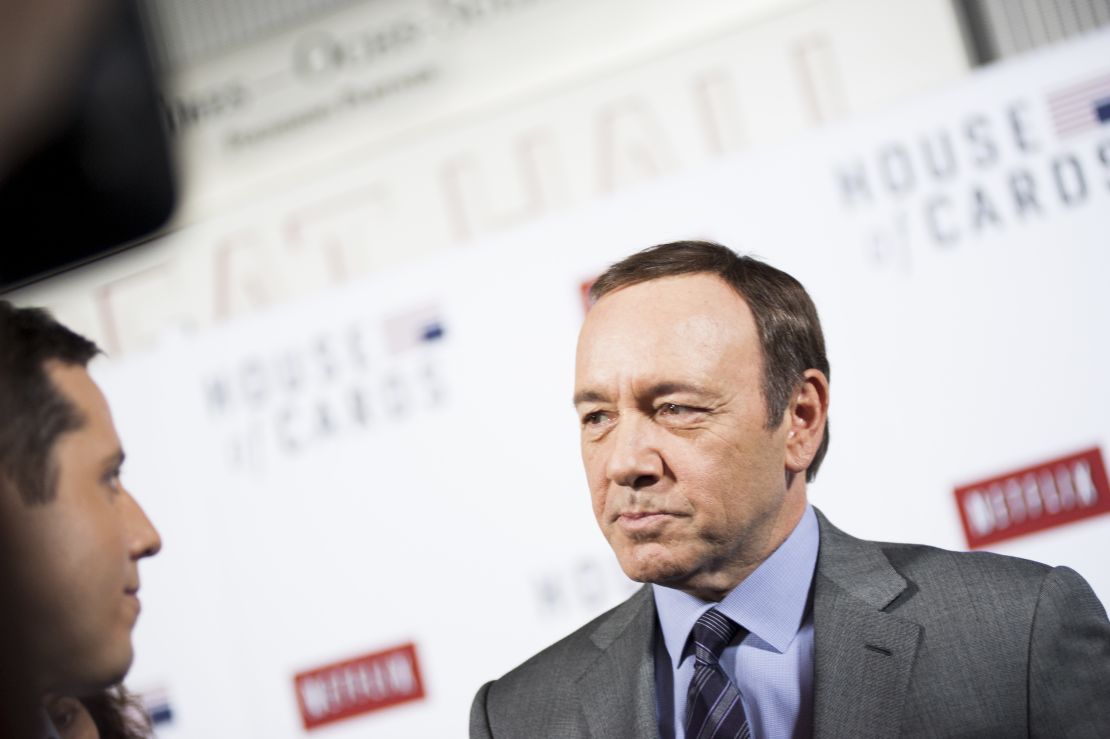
654,564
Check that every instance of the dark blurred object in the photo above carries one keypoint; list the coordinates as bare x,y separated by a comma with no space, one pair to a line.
89,170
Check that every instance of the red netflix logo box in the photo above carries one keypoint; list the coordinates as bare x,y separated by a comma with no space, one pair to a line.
357,686
1049,494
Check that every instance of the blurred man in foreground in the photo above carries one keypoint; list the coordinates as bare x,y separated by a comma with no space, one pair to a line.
702,391
72,534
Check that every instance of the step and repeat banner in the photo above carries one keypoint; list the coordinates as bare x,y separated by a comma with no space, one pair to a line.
371,499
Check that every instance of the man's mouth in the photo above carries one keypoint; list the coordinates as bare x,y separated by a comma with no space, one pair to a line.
636,522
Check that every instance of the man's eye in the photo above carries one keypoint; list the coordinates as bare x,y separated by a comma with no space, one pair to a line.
678,412
595,419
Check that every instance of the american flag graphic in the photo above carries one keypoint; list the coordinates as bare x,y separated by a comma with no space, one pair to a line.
1081,107
156,703
409,329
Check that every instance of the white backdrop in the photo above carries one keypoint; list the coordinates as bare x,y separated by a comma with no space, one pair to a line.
330,482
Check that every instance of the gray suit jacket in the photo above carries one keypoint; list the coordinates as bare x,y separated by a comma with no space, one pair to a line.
909,641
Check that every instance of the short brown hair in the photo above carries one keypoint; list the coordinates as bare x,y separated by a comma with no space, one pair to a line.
33,413
789,331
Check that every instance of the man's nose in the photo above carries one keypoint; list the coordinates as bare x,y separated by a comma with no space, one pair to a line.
634,459
144,538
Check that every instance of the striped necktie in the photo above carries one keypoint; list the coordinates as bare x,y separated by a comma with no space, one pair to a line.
713,706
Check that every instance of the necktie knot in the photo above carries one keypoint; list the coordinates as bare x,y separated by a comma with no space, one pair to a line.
712,633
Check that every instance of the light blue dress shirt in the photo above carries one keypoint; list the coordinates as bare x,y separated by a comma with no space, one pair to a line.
773,665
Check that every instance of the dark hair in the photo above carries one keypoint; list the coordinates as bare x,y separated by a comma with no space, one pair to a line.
33,413
789,331
117,714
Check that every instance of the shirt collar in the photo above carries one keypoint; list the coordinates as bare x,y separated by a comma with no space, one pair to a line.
769,603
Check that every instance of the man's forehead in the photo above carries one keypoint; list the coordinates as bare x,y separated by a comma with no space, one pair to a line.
78,388
74,382
682,314
670,300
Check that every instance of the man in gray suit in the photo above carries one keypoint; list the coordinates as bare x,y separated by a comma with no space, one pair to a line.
702,390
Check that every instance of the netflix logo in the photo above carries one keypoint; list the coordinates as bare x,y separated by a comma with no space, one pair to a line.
357,686
1035,498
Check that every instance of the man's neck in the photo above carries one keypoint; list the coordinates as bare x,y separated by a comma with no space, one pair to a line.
712,587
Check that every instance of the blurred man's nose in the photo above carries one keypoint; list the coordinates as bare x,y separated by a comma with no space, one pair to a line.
145,541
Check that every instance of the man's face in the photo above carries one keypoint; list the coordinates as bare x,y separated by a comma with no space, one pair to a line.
688,484
79,552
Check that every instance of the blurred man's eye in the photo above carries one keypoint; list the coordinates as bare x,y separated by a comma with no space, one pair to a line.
112,481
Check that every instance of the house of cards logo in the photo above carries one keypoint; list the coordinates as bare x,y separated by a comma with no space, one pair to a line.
982,173
1049,494
358,686
361,376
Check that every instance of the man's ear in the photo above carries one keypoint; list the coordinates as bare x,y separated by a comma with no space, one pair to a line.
805,420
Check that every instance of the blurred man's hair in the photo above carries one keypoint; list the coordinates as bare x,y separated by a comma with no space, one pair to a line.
118,714
789,331
33,413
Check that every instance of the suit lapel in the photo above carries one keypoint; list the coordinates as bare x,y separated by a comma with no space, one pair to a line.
863,656
626,657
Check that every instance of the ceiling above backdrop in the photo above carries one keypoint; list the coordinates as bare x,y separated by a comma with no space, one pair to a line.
193,32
